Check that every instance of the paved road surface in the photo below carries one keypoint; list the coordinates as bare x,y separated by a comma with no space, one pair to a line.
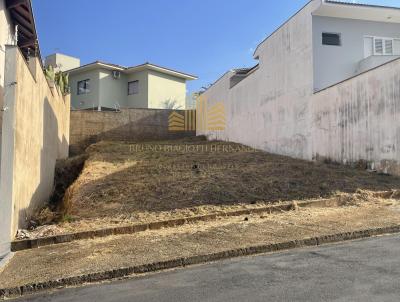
367,270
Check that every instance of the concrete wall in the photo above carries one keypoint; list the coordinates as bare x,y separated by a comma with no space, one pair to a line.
35,134
359,119
333,64
163,87
88,127
270,108
6,37
62,62
374,61
275,109
90,100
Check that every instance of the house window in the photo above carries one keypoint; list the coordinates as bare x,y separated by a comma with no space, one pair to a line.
133,87
383,46
331,39
84,86
379,46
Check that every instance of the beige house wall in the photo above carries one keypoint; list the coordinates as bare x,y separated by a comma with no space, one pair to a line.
35,134
62,62
91,99
154,89
140,100
163,87
113,92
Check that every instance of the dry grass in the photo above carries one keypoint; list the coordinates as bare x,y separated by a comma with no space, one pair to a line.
130,183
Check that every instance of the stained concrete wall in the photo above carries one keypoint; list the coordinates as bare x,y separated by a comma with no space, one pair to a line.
359,119
35,134
270,108
276,110
88,127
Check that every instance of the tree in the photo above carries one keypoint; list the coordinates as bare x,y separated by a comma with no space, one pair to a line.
171,104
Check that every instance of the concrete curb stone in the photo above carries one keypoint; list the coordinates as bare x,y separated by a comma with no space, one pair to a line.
192,260
19,245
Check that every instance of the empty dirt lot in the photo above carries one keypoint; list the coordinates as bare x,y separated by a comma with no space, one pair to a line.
125,183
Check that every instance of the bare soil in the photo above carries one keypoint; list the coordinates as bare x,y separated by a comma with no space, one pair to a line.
124,183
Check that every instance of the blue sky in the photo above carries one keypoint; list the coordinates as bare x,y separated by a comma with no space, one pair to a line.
201,37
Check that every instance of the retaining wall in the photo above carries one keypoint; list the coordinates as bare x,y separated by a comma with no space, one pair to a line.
88,127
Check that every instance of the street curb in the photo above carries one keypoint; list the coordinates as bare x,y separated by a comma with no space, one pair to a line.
19,245
5,260
186,261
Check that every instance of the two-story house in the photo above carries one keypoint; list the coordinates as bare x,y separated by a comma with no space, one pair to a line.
105,86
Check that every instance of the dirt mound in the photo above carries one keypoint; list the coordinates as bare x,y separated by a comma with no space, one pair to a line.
124,183
129,181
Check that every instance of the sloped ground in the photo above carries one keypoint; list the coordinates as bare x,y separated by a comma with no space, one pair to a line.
362,211
124,183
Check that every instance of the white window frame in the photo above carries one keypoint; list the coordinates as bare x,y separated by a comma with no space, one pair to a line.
384,50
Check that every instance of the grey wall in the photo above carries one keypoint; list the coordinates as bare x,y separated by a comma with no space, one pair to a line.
359,119
333,64
275,109
270,108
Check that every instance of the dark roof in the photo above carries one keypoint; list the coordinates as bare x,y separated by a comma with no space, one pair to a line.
360,4
245,70
21,14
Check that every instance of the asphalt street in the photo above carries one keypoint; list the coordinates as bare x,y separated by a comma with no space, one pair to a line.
365,270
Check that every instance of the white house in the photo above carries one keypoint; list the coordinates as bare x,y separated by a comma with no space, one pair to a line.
326,84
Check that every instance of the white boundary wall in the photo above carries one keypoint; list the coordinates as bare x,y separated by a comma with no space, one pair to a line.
275,109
